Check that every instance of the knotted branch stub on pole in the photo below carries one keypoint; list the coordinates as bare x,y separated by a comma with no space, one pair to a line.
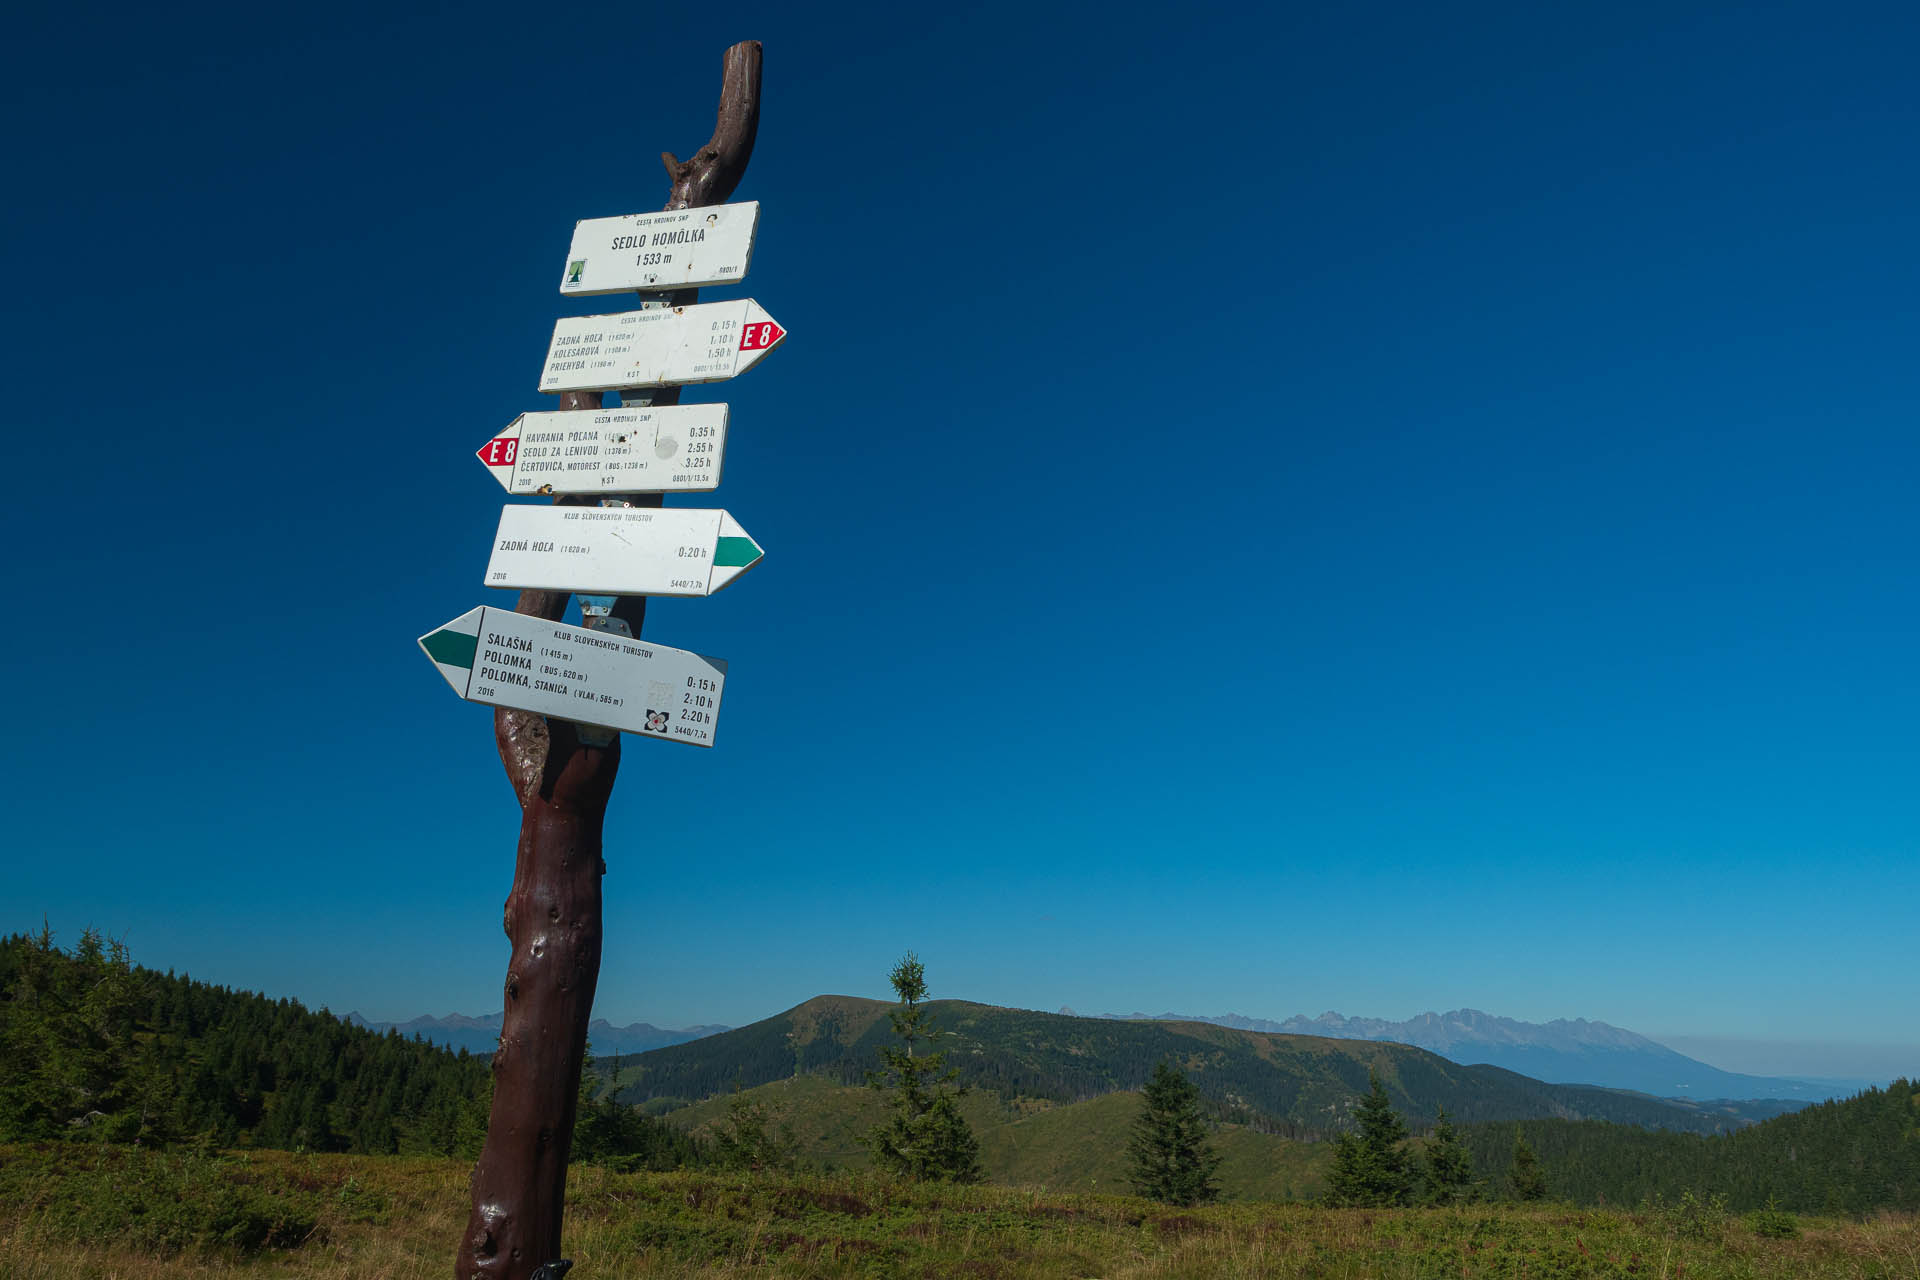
715,169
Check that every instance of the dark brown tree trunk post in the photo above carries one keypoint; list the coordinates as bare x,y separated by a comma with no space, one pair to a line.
553,912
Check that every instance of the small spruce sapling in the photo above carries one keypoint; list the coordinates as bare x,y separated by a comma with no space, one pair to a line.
926,1138
747,1139
1448,1166
1525,1181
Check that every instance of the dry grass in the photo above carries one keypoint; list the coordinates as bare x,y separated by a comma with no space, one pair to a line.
397,1219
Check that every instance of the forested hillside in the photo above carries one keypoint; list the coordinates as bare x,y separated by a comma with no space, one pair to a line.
1299,1086
97,1047
1835,1157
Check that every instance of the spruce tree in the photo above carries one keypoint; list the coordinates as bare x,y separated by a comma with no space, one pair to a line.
1525,1181
1369,1167
35,1100
746,1138
926,1138
1172,1159
1448,1166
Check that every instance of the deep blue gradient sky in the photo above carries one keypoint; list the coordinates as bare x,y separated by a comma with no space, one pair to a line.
1377,507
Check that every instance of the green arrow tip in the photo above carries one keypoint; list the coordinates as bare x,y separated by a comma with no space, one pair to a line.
736,553
451,648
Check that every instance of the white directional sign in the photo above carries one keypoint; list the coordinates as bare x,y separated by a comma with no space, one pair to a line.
682,249
665,347
644,449
619,551
507,659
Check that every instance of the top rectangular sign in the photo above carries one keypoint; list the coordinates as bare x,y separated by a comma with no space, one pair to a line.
681,249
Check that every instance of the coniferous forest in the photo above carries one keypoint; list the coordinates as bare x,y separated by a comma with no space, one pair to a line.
99,1048
1843,1157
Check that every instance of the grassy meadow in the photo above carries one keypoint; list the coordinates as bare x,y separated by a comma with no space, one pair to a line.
69,1212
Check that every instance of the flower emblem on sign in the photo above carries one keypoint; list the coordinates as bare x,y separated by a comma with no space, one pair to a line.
656,721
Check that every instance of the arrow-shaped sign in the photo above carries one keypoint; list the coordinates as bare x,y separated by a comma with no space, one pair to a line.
619,551
508,659
664,347
682,249
645,449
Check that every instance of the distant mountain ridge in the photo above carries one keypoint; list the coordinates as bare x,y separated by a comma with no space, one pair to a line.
1286,1084
1564,1051
482,1034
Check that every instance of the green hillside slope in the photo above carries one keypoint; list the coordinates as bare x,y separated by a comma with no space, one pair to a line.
1083,1147
1291,1085
1856,1156
1079,1146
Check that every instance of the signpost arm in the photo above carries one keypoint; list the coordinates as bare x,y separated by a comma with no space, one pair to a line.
552,914
708,178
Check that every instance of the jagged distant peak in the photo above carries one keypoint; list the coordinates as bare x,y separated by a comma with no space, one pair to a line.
1439,1031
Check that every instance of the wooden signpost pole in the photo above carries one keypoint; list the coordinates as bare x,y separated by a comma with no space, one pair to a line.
553,910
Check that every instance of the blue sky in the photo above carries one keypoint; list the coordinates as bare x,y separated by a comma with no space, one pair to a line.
1374,509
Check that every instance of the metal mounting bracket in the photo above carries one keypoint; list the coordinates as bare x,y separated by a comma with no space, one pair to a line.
640,397
596,612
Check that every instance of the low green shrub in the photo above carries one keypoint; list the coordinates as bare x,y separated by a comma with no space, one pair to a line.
161,1203
1692,1218
1774,1223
